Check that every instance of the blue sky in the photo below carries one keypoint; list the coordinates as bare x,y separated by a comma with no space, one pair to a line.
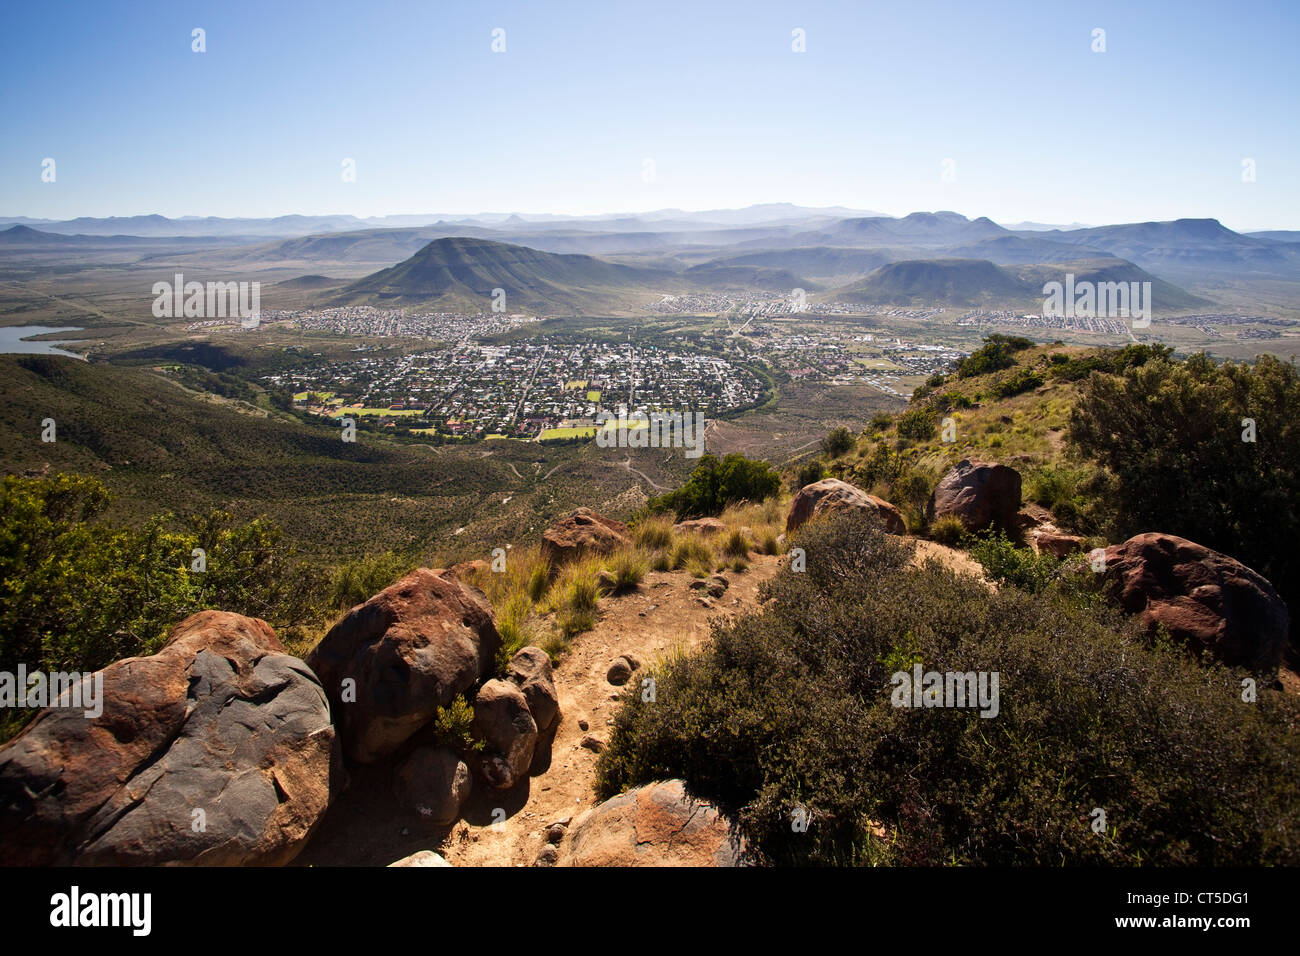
1036,124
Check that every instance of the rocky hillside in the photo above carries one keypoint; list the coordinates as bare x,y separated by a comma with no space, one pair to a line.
678,693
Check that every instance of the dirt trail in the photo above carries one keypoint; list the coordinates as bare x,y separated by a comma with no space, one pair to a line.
365,826
663,614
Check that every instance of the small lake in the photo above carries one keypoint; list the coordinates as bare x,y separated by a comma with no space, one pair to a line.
11,340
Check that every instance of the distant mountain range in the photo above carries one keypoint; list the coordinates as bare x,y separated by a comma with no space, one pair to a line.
460,273
613,263
288,226
978,282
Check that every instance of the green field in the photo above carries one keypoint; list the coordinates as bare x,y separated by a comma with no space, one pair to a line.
373,412
568,433
593,396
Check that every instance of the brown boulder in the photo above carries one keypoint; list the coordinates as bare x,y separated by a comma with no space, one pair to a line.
434,782
581,533
421,858
652,825
409,650
469,571
1203,597
530,670
216,751
981,494
1049,540
832,495
502,719
1034,516
702,526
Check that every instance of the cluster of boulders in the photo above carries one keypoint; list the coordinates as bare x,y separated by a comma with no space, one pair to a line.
391,663
223,749
1206,599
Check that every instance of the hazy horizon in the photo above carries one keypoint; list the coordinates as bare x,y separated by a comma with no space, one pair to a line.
1006,110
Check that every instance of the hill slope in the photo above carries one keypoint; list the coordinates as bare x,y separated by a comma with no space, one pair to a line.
461,273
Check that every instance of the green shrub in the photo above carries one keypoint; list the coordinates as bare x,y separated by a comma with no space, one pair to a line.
715,483
652,533
736,544
1052,485
917,424
355,582
837,442
691,551
573,621
1171,434
1023,380
947,530
512,625
1008,564
792,707
910,493
451,726
993,356
808,473
628,569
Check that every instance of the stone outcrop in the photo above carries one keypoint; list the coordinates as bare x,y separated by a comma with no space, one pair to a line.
435,783
581,533
392,661
652,825
980,494
218,751
1205,598
830,495
502,719
530,670
701,526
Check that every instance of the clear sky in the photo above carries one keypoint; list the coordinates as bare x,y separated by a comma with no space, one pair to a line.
1036,125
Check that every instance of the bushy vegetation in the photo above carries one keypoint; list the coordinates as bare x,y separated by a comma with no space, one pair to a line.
77,592
807,473
947,529
452,727
355,582
1008,563
716,483
626,568
837,442
1111,361
994,355
1023,380
916,424
791,708
1172,435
